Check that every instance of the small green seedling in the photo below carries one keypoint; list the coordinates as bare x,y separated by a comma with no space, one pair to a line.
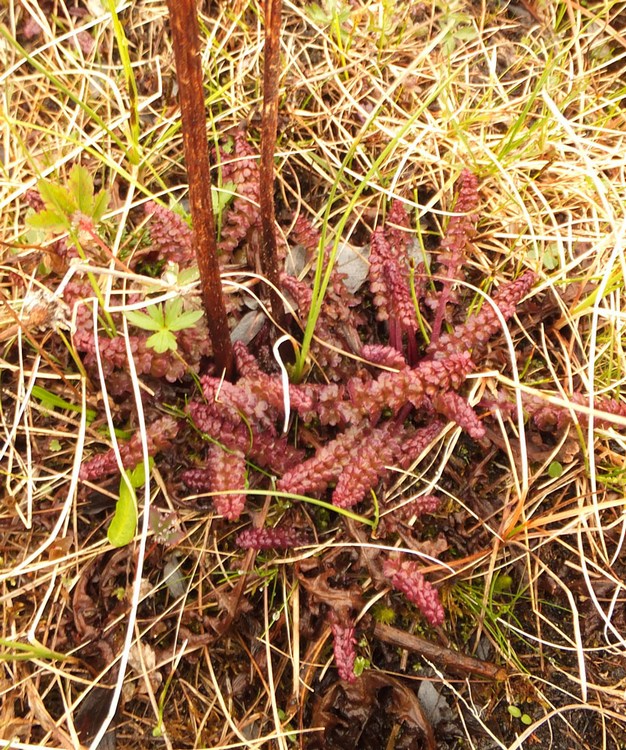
516,713
555,470
164,320
331,13
360,665
502,583
549,258
124,524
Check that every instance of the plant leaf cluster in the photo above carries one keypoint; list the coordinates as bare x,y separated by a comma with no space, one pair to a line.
165,319
63,202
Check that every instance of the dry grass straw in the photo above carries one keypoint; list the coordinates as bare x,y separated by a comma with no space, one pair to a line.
535,107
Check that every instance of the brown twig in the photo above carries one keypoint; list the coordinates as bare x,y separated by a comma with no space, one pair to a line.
185,38
271,62
445,657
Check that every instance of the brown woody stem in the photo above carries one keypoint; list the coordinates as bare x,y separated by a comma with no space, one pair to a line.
186,41
440,655
269,125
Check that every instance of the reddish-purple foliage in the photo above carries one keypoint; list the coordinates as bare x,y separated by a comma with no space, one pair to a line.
402,306
419,506
406,577
266,388
344,650
375,450
549,417
198,480
34,200
170,235
261,445
239,399
317,472
388,276
389,280
30,28
228,470
453,249
336,328
330,405
280,537
385,356
608,405
417,443
393,390
455,407
354,430
305,234
380,254
300,291
159,436
481,326
193,344
357,459
397,229
242,168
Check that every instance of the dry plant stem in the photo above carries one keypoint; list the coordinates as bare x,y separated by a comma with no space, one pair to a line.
269,258
185,38
441,655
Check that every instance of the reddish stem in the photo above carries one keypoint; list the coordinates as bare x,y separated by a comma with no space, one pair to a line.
271,70
186,42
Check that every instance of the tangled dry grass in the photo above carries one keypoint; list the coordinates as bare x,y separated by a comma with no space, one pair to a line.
379,100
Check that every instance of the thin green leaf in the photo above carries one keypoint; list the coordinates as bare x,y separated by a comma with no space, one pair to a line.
51,400
123,526
360,665
81,188
157,314
186,320
188,275
24,651
100,205
143,320
222,196
137,476
173,308
318,15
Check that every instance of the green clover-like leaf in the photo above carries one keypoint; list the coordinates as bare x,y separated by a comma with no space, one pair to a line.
150,321
162,341
163,320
